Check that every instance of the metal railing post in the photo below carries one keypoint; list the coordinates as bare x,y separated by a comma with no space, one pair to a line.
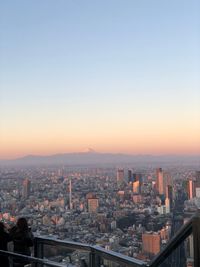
97,261
38,251
92,258
196,239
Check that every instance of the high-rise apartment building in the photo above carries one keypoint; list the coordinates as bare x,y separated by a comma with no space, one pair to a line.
169,192
93,204
151,243
160,181
169,195
130,176
190,189
70,194
136,187
120,175
26,188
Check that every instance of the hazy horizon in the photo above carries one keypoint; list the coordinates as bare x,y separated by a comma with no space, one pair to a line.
85,151
117,76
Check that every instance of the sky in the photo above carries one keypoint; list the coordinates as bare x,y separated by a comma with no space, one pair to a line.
118,76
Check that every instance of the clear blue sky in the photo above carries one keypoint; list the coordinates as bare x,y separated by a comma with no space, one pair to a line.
105,63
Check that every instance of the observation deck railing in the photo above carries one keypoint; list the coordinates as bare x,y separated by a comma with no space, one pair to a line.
96,254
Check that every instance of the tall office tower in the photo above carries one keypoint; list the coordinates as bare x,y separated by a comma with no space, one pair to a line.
190,189
169,194
137,182
136,187
93,204
167,205
130,176
70,194
120,175
26,189
160,181
151,243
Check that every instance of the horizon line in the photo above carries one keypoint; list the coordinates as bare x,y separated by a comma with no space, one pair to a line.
97,152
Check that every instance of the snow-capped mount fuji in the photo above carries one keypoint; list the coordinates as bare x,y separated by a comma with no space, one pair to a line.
89,150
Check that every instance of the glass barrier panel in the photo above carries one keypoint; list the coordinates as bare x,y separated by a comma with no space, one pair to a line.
66,256
103,262
182,256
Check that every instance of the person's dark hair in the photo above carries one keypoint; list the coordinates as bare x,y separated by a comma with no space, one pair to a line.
22,224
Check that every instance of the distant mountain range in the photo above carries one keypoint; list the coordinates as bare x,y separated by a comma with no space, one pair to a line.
93,158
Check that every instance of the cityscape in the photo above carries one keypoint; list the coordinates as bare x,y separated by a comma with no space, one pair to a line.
99,133
131,210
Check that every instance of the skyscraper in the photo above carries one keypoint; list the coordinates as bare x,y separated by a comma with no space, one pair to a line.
169,195
70,194
160,181
190,189
167,205
120,175
130,176
26,189
136,187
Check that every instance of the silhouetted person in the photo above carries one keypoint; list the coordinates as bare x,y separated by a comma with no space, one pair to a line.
23,239
4,239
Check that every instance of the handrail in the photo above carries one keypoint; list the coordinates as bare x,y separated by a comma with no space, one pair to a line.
68,244
31,259
117,257
95,250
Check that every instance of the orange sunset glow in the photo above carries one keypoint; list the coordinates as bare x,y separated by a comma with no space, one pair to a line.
117,82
